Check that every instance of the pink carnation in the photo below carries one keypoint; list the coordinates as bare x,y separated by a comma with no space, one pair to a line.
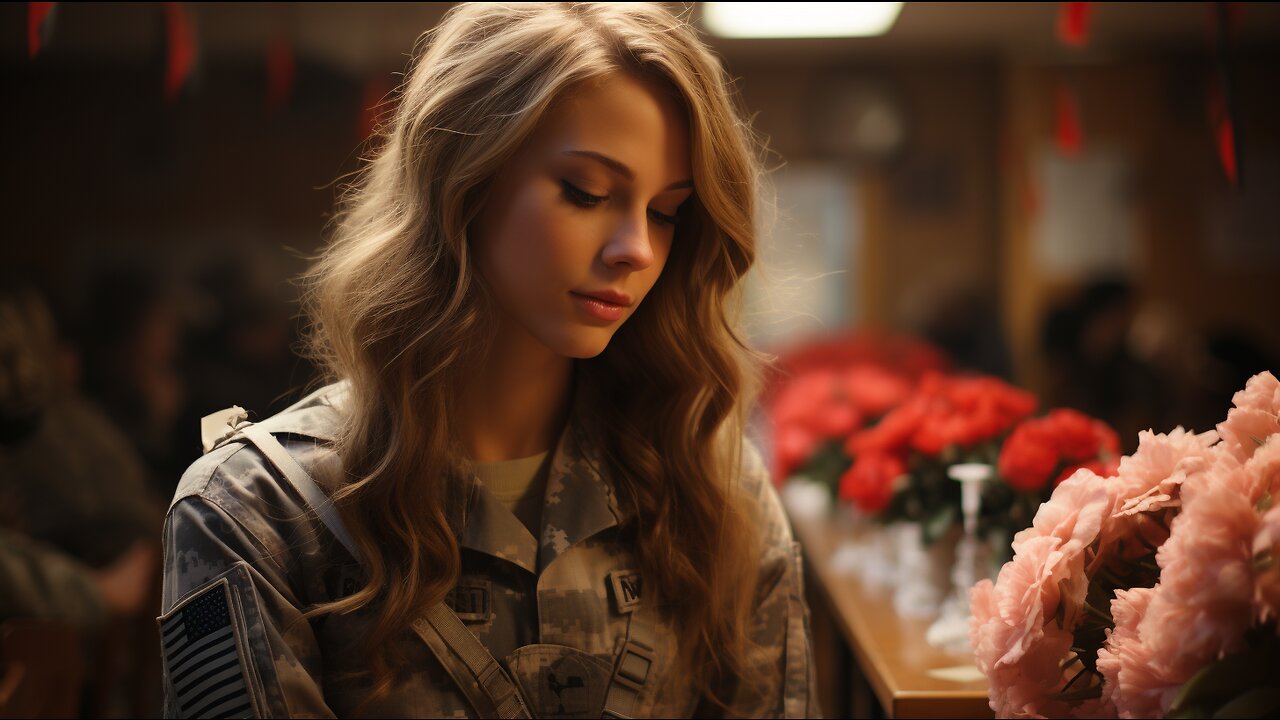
1267,584
1150,485
1264,470
1015,639
1152,475
1133,676
1074,513
1255,417
1194,501
1206,578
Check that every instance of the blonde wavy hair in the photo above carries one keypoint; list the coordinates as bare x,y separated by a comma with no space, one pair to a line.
398,309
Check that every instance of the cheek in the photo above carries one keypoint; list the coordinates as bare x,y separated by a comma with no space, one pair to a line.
535,253
661,257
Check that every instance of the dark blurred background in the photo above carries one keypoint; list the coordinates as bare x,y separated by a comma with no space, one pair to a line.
1083,198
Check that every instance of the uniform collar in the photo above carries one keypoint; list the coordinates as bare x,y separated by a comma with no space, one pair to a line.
580,502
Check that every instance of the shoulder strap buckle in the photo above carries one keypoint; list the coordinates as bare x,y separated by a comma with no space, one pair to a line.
219,426
635,663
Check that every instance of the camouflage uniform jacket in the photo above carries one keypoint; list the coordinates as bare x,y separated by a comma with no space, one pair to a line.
243,559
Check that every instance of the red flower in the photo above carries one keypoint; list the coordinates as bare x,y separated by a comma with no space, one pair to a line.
966,411
875,390
869,483
792,446
937,431
1080,437
894,431
837,419
1102,468
1110,439
1028,456
798,401
1037,447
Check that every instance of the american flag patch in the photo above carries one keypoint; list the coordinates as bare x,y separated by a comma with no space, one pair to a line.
202,657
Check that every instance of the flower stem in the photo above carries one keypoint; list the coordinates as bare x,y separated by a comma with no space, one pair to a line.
1104,616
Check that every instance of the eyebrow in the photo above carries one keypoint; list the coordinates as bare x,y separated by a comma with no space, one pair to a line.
622,169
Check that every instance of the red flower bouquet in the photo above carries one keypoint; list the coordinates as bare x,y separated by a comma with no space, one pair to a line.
820,394
899,464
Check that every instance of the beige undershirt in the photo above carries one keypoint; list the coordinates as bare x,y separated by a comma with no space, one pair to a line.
519,485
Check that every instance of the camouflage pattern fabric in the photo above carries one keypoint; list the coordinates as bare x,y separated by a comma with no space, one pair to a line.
554,610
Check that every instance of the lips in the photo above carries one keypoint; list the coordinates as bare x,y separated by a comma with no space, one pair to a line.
600,308
612,297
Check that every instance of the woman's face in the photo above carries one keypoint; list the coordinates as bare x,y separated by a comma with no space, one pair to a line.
578,225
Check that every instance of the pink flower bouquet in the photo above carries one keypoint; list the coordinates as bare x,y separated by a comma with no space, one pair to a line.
1152,593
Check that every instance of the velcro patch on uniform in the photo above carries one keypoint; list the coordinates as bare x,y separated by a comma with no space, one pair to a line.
203,658
469,600
626,589
343,580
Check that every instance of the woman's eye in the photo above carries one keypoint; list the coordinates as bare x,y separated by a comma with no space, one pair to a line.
580,197
663,219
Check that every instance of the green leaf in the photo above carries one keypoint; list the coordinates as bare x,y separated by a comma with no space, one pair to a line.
1226,679
1187,713
1257,703
827,464
939,523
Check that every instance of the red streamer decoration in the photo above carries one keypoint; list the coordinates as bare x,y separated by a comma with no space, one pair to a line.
281,71
1073,23
1224,133
181,49
38,26
1227,150
1067,128
1225,20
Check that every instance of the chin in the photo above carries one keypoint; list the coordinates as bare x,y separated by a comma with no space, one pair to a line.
583,345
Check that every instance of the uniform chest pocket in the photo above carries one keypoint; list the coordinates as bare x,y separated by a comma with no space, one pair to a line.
560,681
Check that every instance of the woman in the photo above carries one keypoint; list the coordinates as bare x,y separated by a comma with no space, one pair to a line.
527,493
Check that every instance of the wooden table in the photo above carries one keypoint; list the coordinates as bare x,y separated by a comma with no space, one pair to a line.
867,654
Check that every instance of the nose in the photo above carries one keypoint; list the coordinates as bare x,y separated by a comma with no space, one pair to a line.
630,246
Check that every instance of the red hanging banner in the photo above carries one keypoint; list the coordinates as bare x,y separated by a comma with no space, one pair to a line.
1227,150
1073,23
181,53
1225,20
39,26
1068,132
1224,132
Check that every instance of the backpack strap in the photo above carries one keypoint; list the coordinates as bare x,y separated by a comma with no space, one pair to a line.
486,685
301,480
634,665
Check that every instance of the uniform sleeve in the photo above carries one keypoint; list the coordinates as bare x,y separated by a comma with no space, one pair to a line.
233,639
780,628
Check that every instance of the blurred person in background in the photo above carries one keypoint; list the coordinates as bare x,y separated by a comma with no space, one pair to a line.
1142,366
241,349
129,337
1092,365
1202,370
78,524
